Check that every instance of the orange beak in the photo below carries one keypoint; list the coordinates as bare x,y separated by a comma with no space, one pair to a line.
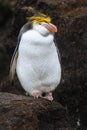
51,27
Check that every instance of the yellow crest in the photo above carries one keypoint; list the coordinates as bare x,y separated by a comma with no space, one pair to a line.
40,17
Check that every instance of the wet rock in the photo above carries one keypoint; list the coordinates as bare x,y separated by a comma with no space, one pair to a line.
26,113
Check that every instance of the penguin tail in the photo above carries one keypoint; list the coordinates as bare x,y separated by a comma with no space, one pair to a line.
13,66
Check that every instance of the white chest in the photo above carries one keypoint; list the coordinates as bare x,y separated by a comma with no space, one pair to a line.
34,45
38,61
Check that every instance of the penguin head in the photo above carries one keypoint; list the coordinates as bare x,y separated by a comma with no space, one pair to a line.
42,24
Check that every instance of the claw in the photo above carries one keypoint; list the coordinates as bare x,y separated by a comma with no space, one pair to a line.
48,96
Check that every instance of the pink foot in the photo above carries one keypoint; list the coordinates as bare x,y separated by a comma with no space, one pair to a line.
36,95
48,96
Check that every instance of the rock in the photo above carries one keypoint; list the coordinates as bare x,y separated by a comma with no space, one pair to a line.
5,12
73,39
3,62
26,113
11,87
71,18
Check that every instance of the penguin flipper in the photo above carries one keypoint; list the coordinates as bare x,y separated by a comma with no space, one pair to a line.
25,28
13,64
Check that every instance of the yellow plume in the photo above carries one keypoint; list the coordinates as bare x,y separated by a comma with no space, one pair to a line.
40,17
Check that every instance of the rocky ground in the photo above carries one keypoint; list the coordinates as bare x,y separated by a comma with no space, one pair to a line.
71,18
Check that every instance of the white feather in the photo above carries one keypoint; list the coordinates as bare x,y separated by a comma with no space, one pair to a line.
38,66
13,65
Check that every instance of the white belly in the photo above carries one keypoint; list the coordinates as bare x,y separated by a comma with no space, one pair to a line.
38,67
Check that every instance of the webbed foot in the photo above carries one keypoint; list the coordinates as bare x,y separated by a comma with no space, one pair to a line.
48,96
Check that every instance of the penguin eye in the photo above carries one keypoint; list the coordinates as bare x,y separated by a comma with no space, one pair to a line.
39,23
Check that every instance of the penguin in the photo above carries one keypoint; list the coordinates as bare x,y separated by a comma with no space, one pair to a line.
36,58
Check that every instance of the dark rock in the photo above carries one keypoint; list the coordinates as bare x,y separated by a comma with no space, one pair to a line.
26,113
11,87
73,39
83,112
5,12
3,61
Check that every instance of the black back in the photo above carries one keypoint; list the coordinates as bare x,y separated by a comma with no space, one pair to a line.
24,29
